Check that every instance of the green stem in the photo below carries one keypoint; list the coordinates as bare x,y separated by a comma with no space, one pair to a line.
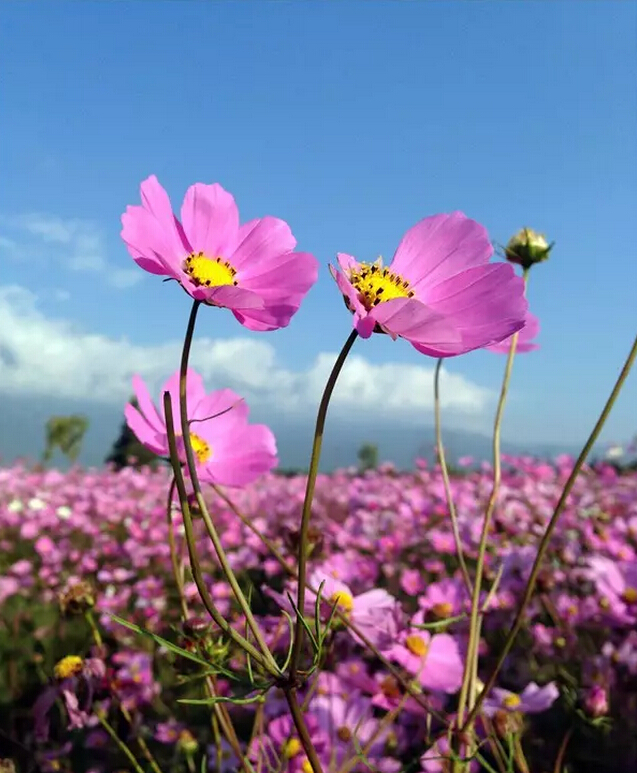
120,744
97,636
190,542
141,742
396,673
467,691
219,709
309,496
272,666
445,478
546,538
301,729
174,558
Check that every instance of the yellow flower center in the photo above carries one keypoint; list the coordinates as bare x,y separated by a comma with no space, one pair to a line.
344,734
416,645
291,748
512,701
201,449
630,595
209,272
306,767
343,601
68,666
442,610
604,603
376,284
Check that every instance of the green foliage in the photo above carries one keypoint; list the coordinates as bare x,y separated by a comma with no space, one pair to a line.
65,433
368,456
127,451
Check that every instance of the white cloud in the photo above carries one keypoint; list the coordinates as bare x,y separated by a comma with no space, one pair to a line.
78,245
45,356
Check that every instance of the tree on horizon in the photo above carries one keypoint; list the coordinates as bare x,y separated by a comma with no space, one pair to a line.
127,451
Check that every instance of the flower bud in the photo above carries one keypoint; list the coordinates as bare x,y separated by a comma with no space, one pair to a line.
187,743
595,701
197,627
527,247
77,598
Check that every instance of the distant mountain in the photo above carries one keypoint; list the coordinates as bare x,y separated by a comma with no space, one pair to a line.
22,435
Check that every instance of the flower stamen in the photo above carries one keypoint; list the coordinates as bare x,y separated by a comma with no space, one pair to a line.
209,272
376,284
416,645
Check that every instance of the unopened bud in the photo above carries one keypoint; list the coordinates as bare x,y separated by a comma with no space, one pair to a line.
187,743
77,598
507,723
596,702
527,247
196,627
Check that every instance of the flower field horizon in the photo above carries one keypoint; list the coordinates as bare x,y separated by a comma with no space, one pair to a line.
382,545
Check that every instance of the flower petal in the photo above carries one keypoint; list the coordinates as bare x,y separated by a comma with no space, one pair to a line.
412,320
144,432
438,247
260,241
146,405
210,220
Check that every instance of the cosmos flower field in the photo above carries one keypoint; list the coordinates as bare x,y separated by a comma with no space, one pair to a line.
79,547
212,615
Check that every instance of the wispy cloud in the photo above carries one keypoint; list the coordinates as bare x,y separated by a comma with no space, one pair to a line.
77,245
53,357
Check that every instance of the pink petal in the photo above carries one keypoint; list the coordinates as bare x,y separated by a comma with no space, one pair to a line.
348,290
224,403
210,220
229,297
525,338
146,405
144,432
259,242
412,320
485,303
282,278
443,668
195,392
440,246
254,454
147,241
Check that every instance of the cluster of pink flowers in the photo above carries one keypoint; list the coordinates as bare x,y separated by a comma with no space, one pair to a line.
440,292
387,559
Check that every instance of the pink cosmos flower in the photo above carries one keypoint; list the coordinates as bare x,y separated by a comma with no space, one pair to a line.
250,269
617,585
375,613
525,338
434,660
532,700
440,292
228,450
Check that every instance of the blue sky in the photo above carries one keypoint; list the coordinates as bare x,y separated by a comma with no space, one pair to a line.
351,121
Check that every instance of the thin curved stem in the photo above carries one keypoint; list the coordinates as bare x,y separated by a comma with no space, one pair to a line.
120,744
271,664
219,709
546,538
301,729
467,691
195,566
309,496
343,619
174,558
440,449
